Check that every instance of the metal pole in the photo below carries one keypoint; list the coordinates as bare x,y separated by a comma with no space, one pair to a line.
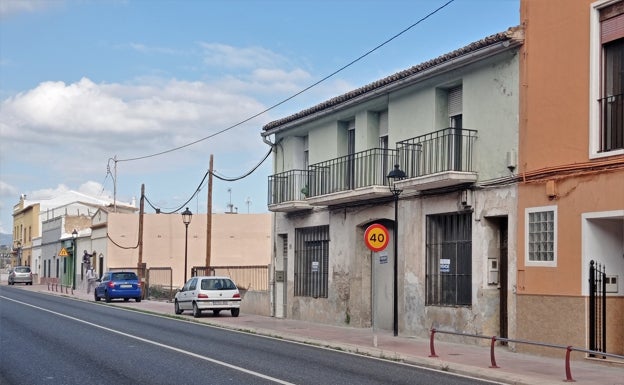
72,267
185,251
395,307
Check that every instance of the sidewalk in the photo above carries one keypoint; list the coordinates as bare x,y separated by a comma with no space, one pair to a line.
513,368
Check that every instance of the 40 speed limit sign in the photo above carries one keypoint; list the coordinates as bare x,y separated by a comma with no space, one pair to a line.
376,237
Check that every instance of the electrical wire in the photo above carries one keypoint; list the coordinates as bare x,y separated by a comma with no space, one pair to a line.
297,93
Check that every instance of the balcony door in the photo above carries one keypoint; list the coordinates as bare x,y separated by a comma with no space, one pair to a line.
350,171
454,143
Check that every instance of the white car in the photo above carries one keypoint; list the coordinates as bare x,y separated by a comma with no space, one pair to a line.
208,293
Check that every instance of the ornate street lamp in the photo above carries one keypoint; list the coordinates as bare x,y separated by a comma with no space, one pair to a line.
73,265
394,176
186,218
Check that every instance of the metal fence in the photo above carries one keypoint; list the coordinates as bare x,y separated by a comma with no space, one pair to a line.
250,278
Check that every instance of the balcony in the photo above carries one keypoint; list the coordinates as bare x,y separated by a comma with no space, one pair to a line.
287,191
435,160
356,177
438,159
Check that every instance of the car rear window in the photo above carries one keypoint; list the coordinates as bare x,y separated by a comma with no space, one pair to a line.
217,284
123,277
22,269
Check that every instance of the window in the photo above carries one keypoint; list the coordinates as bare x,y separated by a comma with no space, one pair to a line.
311,261
607,80
541,236
449,259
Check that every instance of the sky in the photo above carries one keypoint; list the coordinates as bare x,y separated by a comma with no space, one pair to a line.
104,96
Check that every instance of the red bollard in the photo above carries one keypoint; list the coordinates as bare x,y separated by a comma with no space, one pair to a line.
567,366
431,347
492,357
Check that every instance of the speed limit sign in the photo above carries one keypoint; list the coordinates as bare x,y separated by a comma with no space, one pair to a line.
376,237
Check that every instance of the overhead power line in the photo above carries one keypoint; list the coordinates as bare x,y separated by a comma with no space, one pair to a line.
296,94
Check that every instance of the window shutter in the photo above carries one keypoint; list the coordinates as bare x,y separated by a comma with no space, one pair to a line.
383,123
455,101
612,29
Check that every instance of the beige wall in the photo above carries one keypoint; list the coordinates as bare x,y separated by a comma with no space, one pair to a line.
237,239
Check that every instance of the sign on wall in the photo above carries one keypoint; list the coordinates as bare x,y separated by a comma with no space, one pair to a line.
376,237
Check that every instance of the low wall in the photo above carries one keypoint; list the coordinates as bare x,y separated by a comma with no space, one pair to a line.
256,302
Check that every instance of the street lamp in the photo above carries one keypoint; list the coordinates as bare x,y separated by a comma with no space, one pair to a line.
73,265
186,218
393,176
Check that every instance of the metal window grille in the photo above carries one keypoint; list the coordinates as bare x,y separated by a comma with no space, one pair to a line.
311,261
449,259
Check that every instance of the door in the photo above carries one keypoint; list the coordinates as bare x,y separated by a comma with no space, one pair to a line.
503,266
382,276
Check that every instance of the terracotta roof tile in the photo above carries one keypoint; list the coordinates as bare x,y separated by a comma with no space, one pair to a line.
512,34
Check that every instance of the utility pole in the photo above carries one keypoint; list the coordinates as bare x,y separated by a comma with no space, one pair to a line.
141,213
209,218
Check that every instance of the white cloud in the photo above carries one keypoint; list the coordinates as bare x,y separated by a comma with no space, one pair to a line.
226,56
12,7
7,190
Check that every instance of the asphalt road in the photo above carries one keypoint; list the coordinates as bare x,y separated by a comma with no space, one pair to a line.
57,340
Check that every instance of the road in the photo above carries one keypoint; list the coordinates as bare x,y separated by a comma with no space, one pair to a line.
58,340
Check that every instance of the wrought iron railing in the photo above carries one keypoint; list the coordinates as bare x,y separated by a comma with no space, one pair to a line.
612,123
449,149
288,186
349,172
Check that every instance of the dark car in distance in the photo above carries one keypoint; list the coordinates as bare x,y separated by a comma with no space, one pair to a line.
118,284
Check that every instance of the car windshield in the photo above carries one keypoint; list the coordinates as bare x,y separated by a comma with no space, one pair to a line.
217,284
123,277
22,269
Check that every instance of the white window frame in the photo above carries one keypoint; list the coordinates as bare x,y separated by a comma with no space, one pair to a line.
527,261
595,81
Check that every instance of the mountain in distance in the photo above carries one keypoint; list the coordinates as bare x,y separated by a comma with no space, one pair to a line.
6,239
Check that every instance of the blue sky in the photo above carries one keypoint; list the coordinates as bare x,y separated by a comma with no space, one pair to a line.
86,81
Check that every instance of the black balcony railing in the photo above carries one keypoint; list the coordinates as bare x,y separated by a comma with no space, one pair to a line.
288,186
449,149
612,123
349,172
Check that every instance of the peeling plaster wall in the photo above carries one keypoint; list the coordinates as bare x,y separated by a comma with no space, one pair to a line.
349,281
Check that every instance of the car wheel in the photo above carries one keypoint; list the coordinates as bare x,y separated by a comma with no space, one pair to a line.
196,311
107,297
176,307
95,296
216,312
126,299
138,299
235,312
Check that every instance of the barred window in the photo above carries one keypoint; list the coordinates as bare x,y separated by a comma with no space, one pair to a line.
449,259
311,261
541,236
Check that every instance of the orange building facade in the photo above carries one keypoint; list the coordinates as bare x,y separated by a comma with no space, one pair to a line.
571,170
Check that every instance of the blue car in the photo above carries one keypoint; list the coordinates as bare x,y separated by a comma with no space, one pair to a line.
118,284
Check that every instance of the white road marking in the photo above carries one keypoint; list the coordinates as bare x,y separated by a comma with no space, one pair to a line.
234,367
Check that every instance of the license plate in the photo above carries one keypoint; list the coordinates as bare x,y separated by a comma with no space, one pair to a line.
125,286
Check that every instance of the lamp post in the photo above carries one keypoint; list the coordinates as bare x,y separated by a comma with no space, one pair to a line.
393,176
186,218
73,265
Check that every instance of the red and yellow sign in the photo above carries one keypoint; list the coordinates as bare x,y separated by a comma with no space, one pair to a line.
376,237
63,253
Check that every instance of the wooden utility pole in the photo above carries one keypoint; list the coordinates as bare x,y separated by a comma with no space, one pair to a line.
209,219
141,212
